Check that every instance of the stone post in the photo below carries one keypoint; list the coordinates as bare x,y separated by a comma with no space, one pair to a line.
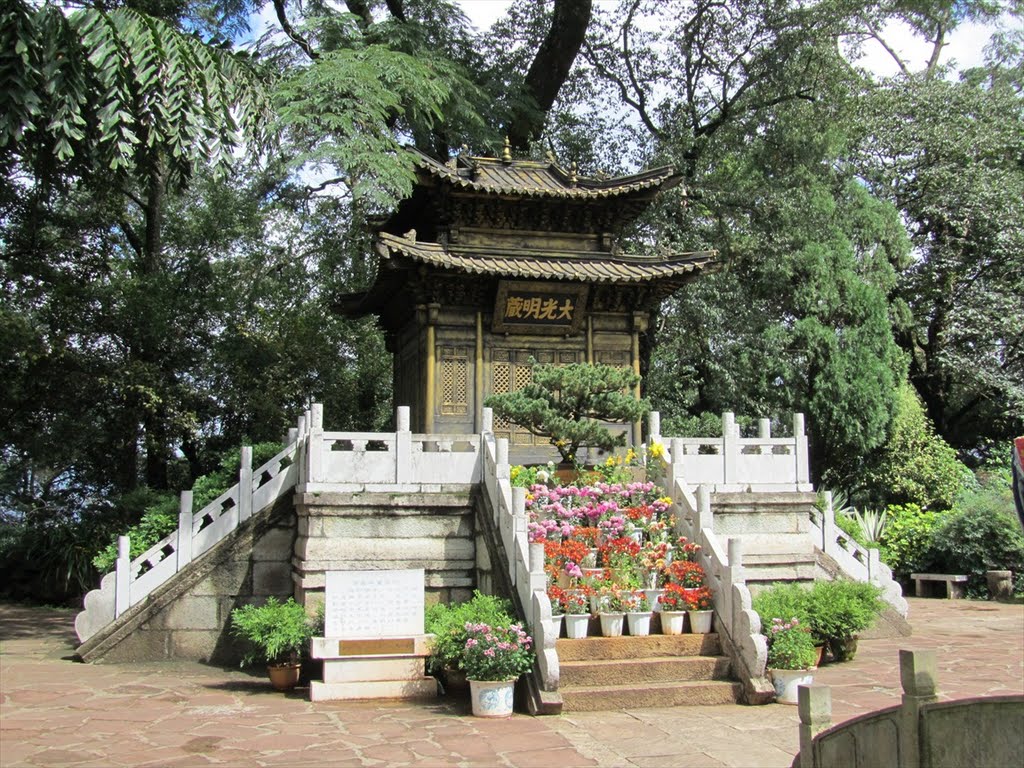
814,703
122,576
315,451
501,468
803,472
704,519
293,435
764,432
245,485
488,421
403,446
654,427
919,678
183,548
730,448
828,524
675,467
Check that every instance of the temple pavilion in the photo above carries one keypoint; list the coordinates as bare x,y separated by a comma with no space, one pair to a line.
494,262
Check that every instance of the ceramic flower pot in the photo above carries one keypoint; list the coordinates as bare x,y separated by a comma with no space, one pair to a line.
639,624
285,676
492,698
576,625
700,621
787,681
611,624
672,622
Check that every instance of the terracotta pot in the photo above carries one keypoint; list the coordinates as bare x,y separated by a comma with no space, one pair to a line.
285,676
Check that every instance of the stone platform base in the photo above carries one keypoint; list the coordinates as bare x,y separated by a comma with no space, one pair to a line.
378,668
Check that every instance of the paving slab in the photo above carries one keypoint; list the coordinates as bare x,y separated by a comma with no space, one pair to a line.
57,712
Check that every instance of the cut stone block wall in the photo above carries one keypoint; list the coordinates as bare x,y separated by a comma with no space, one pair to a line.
189,617
375,531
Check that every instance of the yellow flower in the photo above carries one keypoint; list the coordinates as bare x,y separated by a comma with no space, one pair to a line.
610,462
630,455
657,450
667,500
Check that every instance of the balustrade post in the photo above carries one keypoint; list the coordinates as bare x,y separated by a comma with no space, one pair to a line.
501,468
403,446
828,525
292,436
674,471
122,576
814,703
488,421
183,548
919,678
803,472
874,566
654,427
315,455
764,432
730,448
704,519
245,484
301,449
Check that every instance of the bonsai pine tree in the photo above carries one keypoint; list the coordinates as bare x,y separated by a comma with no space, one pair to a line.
567,404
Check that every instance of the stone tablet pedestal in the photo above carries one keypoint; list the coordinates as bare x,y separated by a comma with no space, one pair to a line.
375,646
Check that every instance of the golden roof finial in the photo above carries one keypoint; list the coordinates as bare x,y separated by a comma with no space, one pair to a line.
550,157
572,174
506,153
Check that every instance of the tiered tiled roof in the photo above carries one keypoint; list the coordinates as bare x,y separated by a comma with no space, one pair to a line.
546,265
530,178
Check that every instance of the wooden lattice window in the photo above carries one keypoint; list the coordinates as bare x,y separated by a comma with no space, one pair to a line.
454,381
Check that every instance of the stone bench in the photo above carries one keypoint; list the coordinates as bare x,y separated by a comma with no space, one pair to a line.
955,583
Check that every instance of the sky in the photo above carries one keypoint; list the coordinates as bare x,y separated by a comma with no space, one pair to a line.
965,45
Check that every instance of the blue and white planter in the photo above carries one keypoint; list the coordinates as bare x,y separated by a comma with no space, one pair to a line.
492,698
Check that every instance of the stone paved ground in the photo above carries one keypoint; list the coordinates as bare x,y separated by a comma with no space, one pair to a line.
54,712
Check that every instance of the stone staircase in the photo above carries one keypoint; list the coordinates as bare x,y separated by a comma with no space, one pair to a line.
609,673
775,531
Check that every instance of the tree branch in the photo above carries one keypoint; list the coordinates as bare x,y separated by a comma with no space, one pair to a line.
550,68
289,30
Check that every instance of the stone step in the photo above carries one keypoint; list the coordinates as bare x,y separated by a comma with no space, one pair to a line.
646,694
660,669
651,646
767,573
783,546
762,500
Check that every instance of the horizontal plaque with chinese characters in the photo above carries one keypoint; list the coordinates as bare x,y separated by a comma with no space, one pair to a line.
373,604
547,308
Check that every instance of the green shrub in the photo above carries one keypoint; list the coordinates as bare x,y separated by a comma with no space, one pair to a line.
275,632
840,609
160,516
782,601
448,624
978,538
907,545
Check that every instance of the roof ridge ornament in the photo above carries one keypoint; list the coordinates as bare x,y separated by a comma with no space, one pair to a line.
506,152
572,174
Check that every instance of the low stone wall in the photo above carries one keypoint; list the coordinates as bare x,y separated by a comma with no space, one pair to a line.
189,616
371,531
920,733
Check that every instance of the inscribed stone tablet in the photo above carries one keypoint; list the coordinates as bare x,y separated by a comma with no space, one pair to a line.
367,604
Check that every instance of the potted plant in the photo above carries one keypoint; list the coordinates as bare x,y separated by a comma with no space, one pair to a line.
447,622
612,602
568,403
493,658
790,658
638,614
277,634
699,605
577,614
838,610
674,606
556,595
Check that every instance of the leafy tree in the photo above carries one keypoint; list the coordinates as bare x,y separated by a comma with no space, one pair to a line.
915,466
